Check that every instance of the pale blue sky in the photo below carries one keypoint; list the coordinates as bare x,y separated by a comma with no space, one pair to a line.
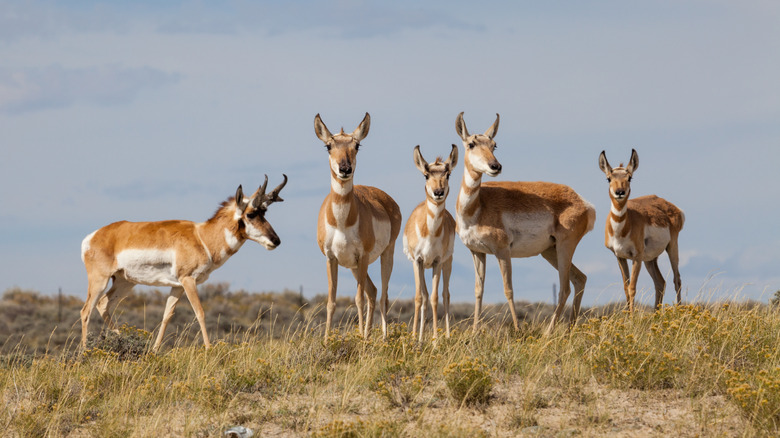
158,110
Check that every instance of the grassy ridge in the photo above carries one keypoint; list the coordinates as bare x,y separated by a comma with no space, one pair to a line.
694,370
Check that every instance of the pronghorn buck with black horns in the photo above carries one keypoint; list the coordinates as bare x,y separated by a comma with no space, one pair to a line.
176,253
356,225
518,219
640,229
429,238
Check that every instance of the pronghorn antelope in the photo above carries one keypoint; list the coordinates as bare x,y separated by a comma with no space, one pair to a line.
640,229
356,225
429,238
176,253
518,219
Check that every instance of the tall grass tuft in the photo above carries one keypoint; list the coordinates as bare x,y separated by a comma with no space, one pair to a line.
692,370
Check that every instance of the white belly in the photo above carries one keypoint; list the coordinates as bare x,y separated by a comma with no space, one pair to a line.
151,267
429,249
656,241
346,247
531,233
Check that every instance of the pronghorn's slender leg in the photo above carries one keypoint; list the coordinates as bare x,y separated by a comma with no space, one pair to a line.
419,285
636,267
436,275
445,293
658,281
333,280
370,294
577,278
386,262
560,258
97,284
626,274
479,287
505,265
674,259
170,305
361,274
108,302
191,289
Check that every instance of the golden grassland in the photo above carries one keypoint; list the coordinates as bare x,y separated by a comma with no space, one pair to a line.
691,370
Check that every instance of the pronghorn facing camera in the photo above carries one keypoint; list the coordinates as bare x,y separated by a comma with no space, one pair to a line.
640,229
518,219
176,253
356,225
429,239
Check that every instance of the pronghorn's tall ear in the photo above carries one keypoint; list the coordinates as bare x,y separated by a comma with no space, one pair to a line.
362,130
633,162
240,204
604,164
453,159
420,162
321,130
460,127
493,130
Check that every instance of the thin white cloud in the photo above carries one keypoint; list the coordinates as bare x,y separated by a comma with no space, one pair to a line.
56,86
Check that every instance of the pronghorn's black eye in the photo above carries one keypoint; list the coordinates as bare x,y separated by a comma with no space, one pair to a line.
357,146
448,176
327,146
629,179
471,145
427,176
609,179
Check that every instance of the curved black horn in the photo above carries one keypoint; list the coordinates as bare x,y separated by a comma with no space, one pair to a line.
261,191
275,192
260,195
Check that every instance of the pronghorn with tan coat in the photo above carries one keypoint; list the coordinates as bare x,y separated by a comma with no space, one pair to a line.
176,253
429,239
518,219
640,229
356,225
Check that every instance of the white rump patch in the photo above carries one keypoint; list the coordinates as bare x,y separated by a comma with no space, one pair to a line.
86,243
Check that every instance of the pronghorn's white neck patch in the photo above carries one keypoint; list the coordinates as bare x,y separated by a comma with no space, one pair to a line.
232,241
435,207
339,187
619,213
471,182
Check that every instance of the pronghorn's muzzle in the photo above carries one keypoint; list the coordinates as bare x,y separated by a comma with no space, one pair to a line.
345,169
495,168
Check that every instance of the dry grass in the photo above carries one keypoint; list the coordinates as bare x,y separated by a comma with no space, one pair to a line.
710,370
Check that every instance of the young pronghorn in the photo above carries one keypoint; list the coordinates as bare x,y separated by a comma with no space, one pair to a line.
356,225
640,229
176,253
518,219
429,239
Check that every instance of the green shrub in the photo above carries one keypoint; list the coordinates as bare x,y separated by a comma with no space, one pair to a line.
469,381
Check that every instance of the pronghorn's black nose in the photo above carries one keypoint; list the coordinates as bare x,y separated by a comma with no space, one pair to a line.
438,193
345,168
620,193
495,166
